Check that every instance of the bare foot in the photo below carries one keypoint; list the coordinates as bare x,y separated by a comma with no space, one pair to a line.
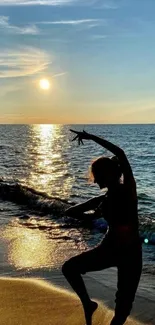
89,310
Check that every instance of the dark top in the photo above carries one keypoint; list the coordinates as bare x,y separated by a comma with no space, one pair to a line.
119,210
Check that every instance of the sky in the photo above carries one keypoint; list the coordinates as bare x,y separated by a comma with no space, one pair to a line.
97,55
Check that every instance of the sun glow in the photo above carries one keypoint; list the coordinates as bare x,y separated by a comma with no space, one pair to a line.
44,84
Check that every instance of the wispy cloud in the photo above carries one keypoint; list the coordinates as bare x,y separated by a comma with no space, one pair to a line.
22,62
77,23
70,22
59,74
35,2
98,37
105,4
7,27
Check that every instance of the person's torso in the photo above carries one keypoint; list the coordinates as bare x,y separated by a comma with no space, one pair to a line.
119,209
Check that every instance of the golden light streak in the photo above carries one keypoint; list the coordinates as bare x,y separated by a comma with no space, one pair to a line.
48,164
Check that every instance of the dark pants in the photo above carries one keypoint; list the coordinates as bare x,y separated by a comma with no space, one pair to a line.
128,260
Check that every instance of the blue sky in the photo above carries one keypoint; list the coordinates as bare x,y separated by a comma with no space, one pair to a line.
98,56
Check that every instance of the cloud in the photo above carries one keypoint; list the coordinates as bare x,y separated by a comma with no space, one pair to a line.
107,6
98,37
59,74
22,62
79,23
7,27
104,4
35,2
70,22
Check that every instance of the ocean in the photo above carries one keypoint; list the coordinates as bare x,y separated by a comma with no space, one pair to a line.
42,172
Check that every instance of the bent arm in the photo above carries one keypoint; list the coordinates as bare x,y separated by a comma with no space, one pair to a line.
83,207
129,180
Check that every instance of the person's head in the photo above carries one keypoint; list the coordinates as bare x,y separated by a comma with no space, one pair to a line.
106,172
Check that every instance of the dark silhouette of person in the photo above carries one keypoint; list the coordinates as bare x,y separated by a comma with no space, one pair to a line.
121,245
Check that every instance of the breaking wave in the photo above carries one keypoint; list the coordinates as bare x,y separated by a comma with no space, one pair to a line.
44,204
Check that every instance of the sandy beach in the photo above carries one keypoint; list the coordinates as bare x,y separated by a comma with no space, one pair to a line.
33,301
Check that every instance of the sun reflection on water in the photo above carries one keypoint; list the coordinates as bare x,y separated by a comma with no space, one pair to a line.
31,248
50,169
45,130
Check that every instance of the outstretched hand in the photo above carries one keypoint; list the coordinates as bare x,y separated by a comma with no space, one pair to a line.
80,136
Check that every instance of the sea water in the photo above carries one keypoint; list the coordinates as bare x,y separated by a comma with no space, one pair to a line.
42,172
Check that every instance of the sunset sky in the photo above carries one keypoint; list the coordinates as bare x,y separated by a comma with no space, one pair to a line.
98,57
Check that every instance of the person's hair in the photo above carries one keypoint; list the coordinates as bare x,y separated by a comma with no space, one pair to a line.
105,163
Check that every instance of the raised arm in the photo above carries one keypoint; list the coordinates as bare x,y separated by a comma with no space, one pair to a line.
120,154
129,180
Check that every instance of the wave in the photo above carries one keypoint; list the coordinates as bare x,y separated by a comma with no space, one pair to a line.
147,228
149,269
54,206
24,195
144,197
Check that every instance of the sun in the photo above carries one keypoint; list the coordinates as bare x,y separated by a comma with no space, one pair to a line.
44,84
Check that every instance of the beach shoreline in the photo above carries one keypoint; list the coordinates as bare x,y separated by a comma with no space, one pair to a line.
101,286
32,301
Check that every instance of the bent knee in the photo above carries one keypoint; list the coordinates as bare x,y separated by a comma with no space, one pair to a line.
74,265
68,267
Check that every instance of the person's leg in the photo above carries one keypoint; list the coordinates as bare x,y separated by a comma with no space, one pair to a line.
92,260
129,272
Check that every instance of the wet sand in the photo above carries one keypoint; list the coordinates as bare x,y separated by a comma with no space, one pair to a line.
34,301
